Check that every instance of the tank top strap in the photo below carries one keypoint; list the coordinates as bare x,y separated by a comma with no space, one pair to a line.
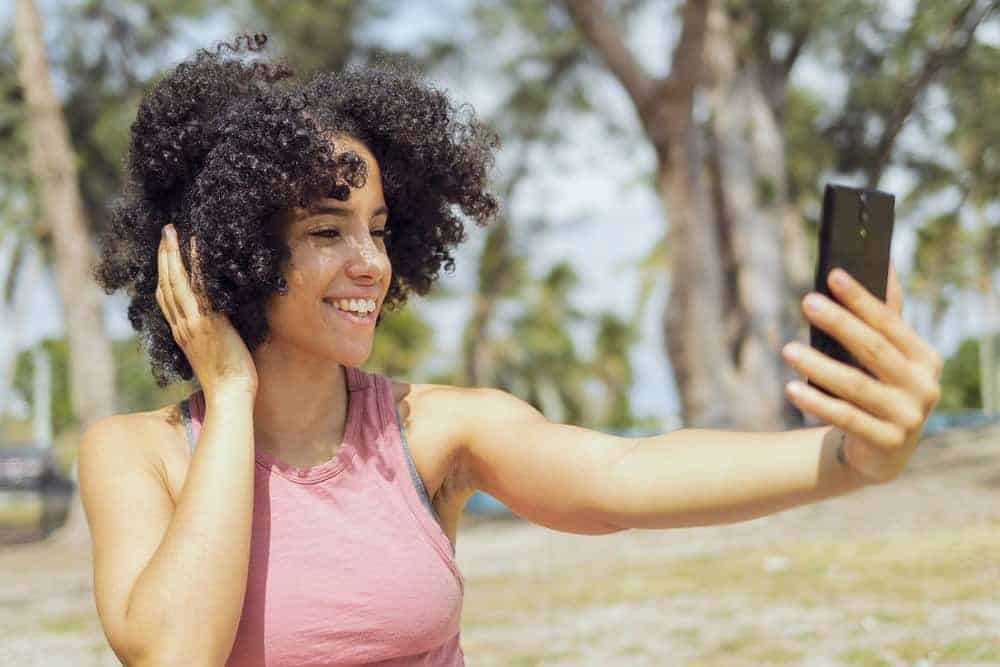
193,411
193,407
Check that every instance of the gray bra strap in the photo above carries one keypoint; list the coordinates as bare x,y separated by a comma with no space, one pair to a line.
417,481
186,412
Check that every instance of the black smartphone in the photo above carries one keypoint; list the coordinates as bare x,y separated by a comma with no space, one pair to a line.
855,234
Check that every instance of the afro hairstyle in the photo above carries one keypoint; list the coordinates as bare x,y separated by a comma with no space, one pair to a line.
229,140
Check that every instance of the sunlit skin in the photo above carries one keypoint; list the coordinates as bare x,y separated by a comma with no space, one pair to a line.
563,476
884,415
301,403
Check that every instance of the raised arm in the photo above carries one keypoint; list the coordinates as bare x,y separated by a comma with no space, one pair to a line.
582,481
169,580
700,477
585,481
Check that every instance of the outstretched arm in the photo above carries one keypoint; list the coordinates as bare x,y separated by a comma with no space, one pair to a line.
699,477
583,481
577,480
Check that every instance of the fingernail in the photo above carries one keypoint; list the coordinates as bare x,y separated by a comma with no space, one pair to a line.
814,303
838,277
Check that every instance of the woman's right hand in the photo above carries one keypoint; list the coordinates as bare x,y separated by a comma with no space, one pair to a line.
214,348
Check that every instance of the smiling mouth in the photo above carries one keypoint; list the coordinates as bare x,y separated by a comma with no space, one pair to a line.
353,317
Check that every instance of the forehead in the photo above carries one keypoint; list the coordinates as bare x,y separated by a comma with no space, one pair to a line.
370,192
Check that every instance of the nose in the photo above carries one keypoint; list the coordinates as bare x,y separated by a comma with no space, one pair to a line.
366,259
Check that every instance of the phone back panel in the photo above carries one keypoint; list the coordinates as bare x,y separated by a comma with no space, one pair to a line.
855,234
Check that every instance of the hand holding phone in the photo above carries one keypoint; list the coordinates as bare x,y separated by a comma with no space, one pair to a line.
878,420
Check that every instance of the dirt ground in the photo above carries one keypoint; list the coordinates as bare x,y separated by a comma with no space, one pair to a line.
902,574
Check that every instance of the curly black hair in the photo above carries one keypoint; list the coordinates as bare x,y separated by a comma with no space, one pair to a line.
229,140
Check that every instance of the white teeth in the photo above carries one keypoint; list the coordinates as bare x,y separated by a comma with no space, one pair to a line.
360,306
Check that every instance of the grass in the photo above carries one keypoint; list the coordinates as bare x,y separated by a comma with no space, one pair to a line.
892,579
69,622
750,645
925,568
21,513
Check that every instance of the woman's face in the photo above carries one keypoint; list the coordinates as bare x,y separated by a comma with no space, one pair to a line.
338,253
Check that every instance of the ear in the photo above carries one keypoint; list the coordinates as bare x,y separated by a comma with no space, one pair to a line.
893,292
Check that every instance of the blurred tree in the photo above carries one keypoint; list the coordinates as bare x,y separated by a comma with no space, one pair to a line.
540,81
960,380
740,152
536,358
329,34
960,248
24,368
54,174
402,344
133,382
611,364
502,271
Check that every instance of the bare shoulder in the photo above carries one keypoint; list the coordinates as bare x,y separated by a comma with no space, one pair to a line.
152,438
436,418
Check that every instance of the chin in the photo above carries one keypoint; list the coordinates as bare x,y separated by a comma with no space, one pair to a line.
354,355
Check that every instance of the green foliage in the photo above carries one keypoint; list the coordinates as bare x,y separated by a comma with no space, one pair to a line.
136,388
615,337
24,368
960,383
402,343
330,34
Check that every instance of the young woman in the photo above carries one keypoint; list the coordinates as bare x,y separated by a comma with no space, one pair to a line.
298,510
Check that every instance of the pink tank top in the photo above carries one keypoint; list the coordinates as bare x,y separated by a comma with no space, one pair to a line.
348,565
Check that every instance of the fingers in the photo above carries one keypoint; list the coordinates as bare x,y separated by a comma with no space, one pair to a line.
184,299
893,292
884,317
881,400
883,435
868,345
164,289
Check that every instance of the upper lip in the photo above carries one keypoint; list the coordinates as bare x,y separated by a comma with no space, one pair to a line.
358,295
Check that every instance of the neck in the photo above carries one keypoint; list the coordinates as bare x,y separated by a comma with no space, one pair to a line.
300,411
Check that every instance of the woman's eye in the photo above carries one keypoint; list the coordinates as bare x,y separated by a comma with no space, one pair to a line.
330,232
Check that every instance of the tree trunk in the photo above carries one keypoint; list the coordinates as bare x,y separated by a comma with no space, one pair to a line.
694,324
53,168
989,354
746,162
724,189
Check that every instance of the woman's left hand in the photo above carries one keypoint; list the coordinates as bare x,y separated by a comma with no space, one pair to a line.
882,417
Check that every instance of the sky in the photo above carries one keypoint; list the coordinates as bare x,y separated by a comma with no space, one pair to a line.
601,227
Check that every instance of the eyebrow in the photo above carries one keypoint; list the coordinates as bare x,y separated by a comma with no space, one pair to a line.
342,212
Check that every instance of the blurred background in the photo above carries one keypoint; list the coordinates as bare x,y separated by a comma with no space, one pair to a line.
658,234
